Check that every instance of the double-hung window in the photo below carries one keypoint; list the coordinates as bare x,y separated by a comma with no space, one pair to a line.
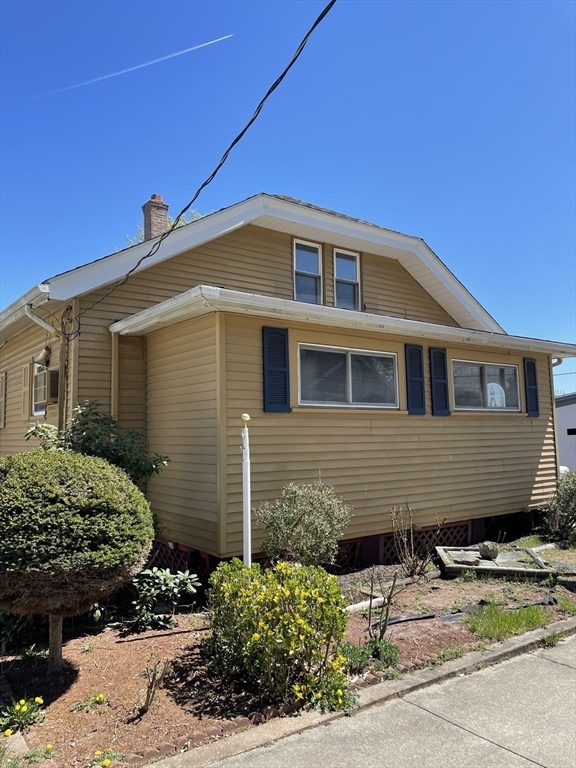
307,272
346,280
485,385
332,376
39,389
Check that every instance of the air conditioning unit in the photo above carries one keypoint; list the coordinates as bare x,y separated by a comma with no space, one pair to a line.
46,385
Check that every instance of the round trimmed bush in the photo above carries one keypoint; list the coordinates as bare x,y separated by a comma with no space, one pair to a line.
74,528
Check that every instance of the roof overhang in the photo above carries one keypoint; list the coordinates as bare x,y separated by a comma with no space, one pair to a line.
299,220
13,319
205,298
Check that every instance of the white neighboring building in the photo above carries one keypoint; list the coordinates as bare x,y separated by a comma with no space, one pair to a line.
566,430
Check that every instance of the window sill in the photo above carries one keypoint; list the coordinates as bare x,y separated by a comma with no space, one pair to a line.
308,408
492,411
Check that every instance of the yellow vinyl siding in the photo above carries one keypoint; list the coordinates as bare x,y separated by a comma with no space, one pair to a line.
466,465
182,424
15,360
388,289
251,259
132,382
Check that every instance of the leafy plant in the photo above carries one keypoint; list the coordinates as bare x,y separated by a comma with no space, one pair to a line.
32,656
356,656
560,518
20,715
17,630
386,653
468,574
278,630
567,605
494,623
415,556
304,524
93,701
74,528
159,585
37,754
103,759
94,433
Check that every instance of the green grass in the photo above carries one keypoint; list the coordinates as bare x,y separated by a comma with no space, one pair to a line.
551,640
567,605
529,541
448,654
494,623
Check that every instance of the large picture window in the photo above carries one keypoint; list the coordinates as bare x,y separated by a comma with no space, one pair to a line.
347,377
346,280
485,385
307,272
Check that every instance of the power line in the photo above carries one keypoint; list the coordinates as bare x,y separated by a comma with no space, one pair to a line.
75,321
567,373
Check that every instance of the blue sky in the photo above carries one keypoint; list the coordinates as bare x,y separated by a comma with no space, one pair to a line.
453,121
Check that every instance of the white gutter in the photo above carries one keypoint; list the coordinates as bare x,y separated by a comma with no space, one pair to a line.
16,311
205,298
38,320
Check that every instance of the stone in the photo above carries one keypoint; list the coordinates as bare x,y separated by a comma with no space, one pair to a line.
166,749
213,730
283,710
150,754
133,760
361,683
256,718
465,558
372,679
181,743
241,721
270,712
381,675
229,726
488,550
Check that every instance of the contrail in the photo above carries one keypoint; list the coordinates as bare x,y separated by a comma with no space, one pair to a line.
131,69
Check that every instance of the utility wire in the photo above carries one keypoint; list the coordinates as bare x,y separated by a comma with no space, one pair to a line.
75,321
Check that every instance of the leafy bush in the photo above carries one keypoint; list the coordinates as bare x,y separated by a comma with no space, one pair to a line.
560,518
357,657
74,528
386,653
159,585
304,524
94,433
17,631
278,630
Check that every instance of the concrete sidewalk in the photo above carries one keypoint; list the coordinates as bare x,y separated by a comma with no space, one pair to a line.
518,714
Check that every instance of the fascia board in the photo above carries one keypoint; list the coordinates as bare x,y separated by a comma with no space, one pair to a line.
105,271
379,236
13,312
204,298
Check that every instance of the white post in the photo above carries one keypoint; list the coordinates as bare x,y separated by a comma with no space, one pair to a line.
246,501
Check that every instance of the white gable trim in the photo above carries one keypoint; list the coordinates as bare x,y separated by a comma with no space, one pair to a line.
206,298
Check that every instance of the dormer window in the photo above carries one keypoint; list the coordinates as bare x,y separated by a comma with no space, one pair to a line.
346,280
307,272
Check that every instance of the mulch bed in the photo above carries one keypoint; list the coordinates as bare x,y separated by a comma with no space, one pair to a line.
192,702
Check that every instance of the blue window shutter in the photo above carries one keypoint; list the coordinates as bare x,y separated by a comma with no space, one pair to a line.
439,382
415,379
276,370
531,384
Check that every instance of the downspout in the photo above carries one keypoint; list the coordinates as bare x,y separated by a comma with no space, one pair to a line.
63,359
558,361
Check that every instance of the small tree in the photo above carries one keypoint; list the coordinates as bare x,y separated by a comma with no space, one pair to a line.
94,433
74,528
304,524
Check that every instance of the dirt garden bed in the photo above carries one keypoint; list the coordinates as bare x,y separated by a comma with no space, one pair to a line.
194,708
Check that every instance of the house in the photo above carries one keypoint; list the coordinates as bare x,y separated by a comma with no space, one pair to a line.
566,430
361,359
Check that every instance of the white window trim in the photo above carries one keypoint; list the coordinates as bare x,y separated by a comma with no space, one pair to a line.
485,409
37,410
319,274
352,351
356,255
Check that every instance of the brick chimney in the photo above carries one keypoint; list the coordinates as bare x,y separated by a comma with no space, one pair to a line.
155,217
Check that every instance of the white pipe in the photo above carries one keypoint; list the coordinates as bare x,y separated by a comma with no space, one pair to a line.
246,502
559,361
38,320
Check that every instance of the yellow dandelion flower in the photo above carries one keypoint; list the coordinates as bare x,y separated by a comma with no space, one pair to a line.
7,732
39,700
24,708
97,752
49,746
21,702
100,697
319,695
17,707
339,692
256,636
106,763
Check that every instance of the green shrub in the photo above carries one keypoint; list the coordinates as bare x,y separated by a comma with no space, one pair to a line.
94,433
560,518
74,528
384,652
277,630
154,586
357,657
304,524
